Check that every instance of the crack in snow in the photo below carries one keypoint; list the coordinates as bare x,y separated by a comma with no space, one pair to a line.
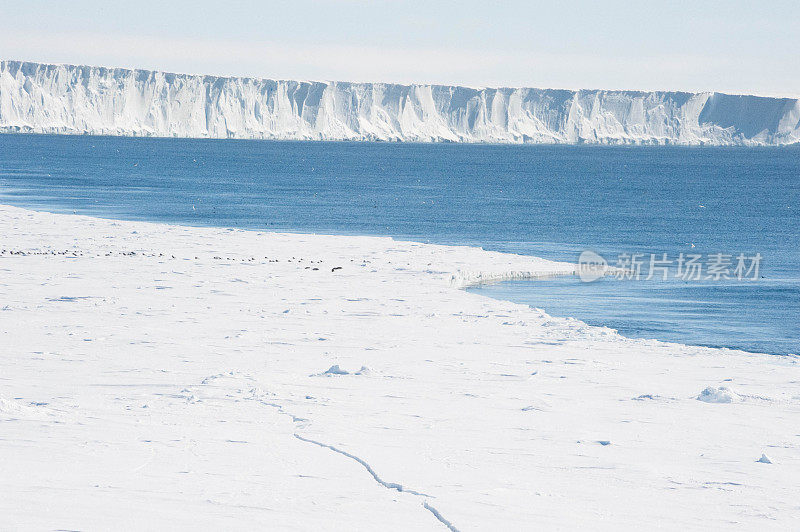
439,516
260,396
379,480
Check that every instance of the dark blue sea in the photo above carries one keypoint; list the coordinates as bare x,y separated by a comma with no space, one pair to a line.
549,201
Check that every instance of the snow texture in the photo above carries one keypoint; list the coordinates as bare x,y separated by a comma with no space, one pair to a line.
44,98
157,376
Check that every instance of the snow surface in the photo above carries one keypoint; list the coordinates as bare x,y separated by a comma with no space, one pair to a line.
42,98
202,378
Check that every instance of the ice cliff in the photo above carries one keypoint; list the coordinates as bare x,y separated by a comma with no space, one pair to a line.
42,98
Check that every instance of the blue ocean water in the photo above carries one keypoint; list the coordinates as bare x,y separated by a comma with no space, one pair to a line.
549,201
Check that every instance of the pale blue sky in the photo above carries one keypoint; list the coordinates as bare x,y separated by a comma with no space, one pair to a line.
733,46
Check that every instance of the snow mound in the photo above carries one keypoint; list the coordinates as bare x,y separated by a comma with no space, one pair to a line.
646,397
336,370
764,459
721,394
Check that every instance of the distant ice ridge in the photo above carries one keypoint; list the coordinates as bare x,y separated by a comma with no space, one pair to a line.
41,98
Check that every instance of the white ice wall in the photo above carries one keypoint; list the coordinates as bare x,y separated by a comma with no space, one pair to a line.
42,98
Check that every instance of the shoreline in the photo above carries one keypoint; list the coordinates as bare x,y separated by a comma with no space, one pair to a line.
459,280
226,377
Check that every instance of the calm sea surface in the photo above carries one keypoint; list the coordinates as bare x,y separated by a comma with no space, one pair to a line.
549,201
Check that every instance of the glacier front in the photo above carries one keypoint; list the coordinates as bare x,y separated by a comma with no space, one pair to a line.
68,99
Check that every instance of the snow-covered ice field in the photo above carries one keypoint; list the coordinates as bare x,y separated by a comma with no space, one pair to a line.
158,376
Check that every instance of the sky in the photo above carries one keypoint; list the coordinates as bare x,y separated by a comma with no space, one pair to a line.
733,46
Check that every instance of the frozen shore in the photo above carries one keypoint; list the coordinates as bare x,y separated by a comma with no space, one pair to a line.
215,378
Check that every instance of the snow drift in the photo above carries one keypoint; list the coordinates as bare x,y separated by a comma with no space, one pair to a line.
41,98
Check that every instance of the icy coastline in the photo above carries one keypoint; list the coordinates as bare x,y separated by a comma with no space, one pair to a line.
68,99
227,378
